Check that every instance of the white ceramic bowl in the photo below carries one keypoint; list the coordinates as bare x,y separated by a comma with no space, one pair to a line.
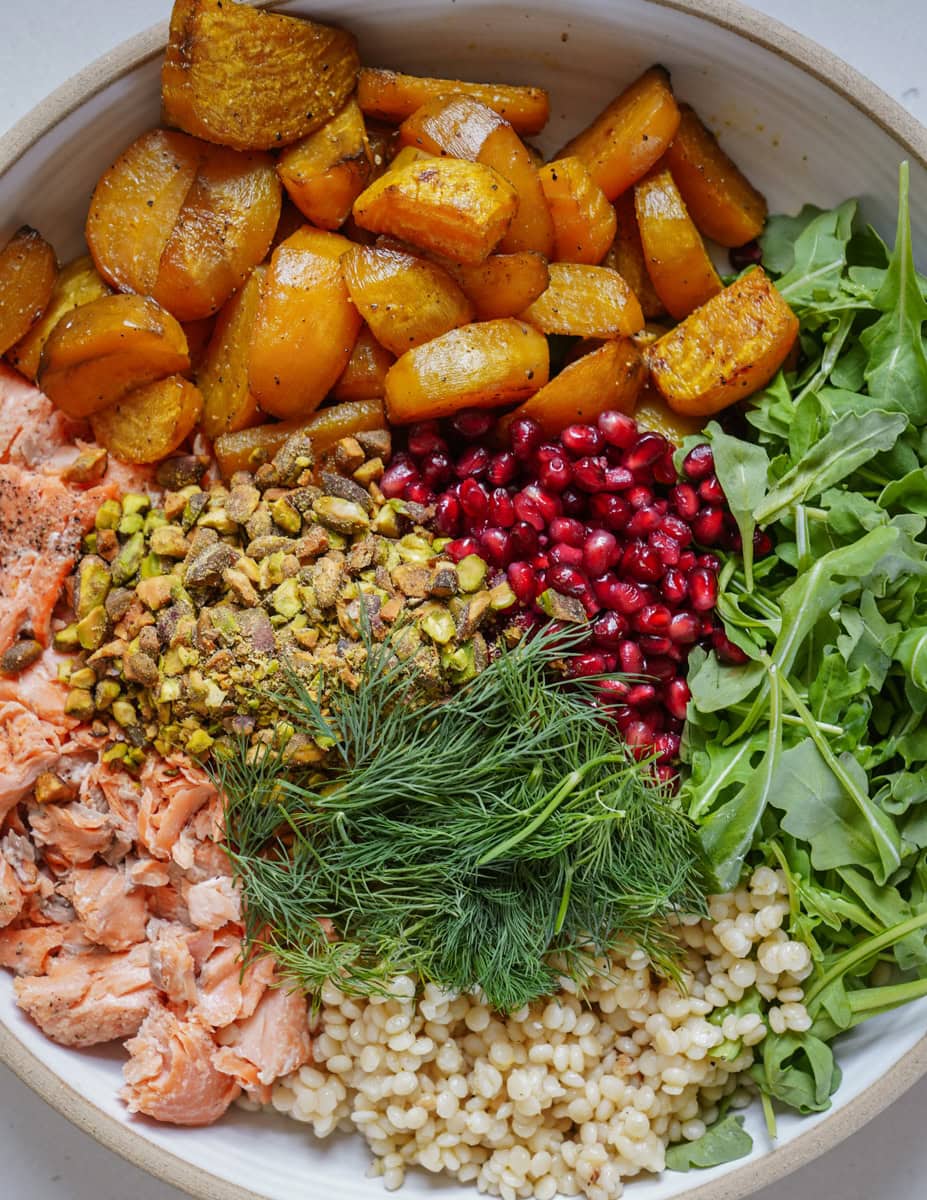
805,127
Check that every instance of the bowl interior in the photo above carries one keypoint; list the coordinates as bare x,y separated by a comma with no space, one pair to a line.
799,141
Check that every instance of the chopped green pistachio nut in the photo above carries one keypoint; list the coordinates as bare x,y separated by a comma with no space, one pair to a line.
115,753
342,516
92,629
151,567
135,502
270,571
79,703
440,543
108,515
471,571
286,516
90,543
67,639
107,690
84,678
155,520
387,522
171,663
170,691
199,742
131,523
561,608
285,598
64,670
124,713
219,520
414,548
134,756
169,541
502,597
460,664
439,625
128,560
93,583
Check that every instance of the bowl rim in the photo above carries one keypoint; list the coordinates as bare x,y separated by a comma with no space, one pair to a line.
128,1141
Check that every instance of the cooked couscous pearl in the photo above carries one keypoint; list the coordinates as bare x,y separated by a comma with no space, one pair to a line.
569,1096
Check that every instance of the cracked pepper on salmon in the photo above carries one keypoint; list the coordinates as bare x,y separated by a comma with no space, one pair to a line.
118,913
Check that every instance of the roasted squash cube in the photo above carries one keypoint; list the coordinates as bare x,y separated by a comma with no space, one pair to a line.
585,301
626,256
364,377
584,221
502,285
250,79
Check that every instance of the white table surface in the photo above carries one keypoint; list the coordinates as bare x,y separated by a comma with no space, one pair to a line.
42,1157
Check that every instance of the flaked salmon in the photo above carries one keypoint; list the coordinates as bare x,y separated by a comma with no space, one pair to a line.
12,897
29,950
111,911
170,1074
272,1042
213,903
173,790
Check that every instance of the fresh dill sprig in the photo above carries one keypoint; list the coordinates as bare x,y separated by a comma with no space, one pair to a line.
498,839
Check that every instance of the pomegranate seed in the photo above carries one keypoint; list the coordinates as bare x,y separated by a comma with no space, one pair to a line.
501,508
666,546
617,479
541,561
710,490
447,516
473,499
708,526
677,529
640,496
726,651
560,552
642,695
708,627
645,520
569,530
461,547
472,422
614,690
548,503
436,468
604,587
750,254
675,585
676,697
624,716
685,628
666,747
731,538
525,435
652,644
667,775
664,469
423,437
547,451
608,630
611,511
699,463
645,451
639,736
630,658
523,581
600,552
582,440
502,468
496,546
684,499
527,511
762,543
703,589
555,474
589,474
687,560
574,502
627,597
617,428
660,666
567,580
395,478
653,618
710,562
473,463
592,606
418,492
524,540
588,664
641,562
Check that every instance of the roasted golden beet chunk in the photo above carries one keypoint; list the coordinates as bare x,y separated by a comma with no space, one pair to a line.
326,172
228,404
150,422
27,278
585,301
392,96
584,221
78,283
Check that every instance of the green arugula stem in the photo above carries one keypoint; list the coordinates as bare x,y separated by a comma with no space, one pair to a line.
861,951
872,1001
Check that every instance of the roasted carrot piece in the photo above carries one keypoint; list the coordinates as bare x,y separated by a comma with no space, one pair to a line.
98,353
393,97
365,375
459,209
305,326
150,422
28,271
584,221
135,207
250,79
247,449
626,256
326,172
404,299
726,350
463,127
228,403
678,264
77,283
502,285
223,230
627,137
722,202
485,365
585,301
609,377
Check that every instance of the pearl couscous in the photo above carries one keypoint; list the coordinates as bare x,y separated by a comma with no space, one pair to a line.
569,1096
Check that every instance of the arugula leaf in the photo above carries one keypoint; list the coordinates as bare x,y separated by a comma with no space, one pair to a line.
819,256
909,493
723,1142
741,468
897,366
850,442
911,653
798,1069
